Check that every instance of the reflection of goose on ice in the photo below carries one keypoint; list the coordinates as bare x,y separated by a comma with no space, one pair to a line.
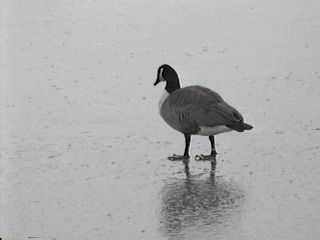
198,205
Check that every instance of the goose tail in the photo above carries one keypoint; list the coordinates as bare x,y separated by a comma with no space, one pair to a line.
240,127
247,126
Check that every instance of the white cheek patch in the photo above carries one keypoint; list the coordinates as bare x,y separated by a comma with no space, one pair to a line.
161,78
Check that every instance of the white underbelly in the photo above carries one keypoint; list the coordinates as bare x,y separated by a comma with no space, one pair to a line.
210,131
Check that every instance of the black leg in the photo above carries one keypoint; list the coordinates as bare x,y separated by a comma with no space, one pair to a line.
213,146
186,150
212,156
185,155
213,153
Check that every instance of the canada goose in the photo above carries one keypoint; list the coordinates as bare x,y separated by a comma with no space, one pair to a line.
196,110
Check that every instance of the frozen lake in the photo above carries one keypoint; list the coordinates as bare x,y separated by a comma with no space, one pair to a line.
84,150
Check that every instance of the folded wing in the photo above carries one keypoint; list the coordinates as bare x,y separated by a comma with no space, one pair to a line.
195,106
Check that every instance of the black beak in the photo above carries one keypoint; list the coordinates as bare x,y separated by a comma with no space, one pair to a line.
156,82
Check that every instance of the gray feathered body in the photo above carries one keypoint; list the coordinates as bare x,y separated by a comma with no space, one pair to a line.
190,108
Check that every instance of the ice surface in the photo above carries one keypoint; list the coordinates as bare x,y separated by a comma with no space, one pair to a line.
83,148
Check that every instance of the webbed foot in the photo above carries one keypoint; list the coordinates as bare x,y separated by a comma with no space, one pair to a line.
175,157
202,157
211,158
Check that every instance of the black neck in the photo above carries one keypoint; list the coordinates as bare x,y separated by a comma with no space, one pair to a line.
173,84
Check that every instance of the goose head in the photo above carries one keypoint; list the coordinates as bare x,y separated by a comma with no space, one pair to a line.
167,74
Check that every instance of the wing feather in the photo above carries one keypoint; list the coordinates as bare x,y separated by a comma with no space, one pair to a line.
189,108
